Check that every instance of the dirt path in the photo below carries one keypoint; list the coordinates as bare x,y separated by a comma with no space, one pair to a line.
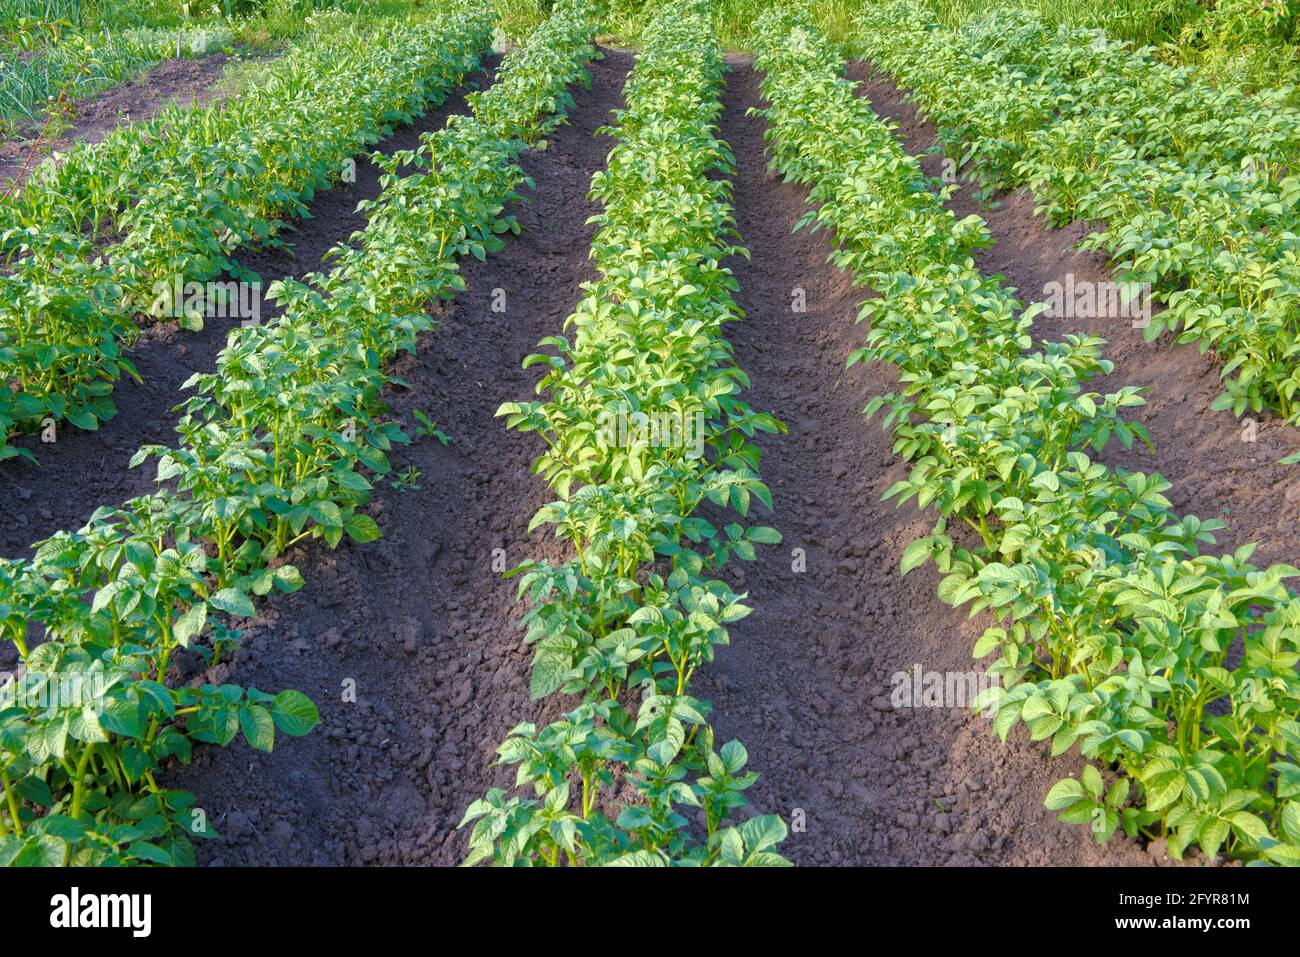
807,682
420,620
1216,470
83,470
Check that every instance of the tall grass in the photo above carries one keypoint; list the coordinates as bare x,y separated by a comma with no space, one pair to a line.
12,11
518,18
837,18
621,21
94,15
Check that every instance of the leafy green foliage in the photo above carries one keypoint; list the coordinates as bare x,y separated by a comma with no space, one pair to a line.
90,718
94,236
278,446
1115,634
1196,185
627,622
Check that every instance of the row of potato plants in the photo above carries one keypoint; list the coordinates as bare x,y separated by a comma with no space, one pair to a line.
625,623
277,447
1194,188
94,238
1169,669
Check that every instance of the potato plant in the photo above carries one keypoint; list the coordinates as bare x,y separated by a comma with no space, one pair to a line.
278,447
1114,630
638,609
1195,185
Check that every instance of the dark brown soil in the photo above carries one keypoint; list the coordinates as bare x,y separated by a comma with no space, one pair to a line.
420,620
1216,472
182,80
83,470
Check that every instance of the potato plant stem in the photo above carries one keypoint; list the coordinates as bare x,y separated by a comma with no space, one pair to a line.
12,800
79,780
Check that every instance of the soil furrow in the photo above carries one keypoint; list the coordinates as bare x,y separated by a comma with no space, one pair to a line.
81,471
808,682
1220,466
420,623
